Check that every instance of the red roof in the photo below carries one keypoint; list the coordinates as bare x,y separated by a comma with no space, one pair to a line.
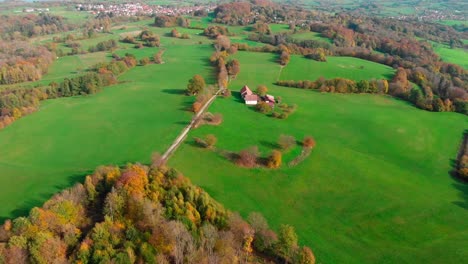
251,97
245,91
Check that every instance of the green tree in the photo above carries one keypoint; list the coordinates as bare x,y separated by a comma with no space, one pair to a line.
287,242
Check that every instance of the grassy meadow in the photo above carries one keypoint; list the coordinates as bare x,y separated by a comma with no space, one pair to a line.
53,148
376,188
457,55
301,68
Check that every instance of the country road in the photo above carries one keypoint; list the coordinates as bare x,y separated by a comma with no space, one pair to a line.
186,130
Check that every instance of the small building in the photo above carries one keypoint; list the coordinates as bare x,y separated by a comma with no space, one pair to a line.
251,99
245,91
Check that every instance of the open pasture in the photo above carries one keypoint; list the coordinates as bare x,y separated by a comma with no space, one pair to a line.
376,188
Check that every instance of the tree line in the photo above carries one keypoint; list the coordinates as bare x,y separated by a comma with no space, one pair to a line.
143,214
17,102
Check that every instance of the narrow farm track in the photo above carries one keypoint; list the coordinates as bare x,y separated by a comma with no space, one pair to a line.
172,148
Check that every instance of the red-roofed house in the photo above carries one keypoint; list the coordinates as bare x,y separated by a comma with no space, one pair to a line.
251,99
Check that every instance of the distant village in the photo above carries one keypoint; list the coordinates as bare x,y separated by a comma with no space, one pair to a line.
133,9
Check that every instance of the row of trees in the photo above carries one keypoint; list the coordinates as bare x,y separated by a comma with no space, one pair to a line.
141,214
340,85
171,21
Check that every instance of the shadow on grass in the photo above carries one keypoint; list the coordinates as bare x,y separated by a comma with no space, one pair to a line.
237,97
463,188
268,144
25,207
456,164
174,91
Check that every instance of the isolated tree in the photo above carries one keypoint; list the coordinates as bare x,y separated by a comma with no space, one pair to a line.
286,142
308,142
158,57
175,33
210,140
274,160
262,90
196,85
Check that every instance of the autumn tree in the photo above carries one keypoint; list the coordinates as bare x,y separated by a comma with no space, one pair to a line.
233,68
196,85
196,107
308,142
286,142
175,33
274,160
305,256
262,90
263,107
222,43
158,57
248,157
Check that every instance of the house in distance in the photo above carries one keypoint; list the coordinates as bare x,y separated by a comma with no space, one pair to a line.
253,99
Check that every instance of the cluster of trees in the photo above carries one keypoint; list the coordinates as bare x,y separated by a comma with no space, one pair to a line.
340,85
215,31
20,61
171,21
21,27
150,39
17,102
251,157
106,45
143,214
175,34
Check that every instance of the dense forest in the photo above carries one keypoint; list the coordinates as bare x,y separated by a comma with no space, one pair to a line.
143,214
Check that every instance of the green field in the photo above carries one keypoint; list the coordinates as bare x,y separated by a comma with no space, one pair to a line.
311,36
301,68
376,188
51,149
457,55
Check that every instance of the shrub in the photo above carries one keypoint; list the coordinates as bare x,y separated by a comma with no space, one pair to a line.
274,161
210,140
196,107
248,157
263,107
309,142
286,142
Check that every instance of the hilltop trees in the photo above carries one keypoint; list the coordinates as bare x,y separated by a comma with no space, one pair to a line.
262,90
140,214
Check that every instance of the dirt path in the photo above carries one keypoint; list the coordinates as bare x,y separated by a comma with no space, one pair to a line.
186,130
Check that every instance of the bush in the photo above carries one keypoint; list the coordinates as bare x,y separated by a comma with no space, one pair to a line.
274,161
309,142
248,157
286,142
196,107
263,107
210,140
